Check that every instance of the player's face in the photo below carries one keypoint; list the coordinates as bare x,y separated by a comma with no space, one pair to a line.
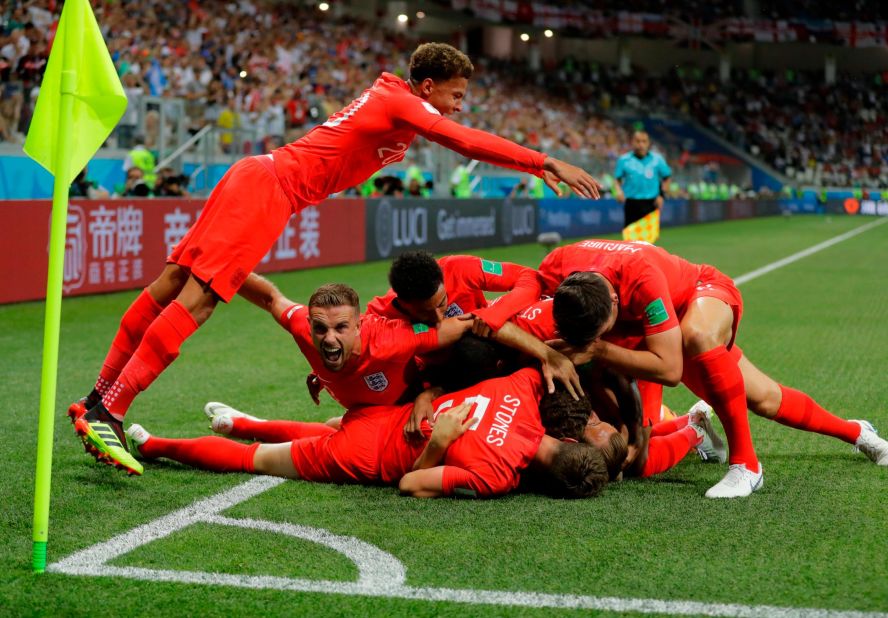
597,432
334,333
641,143
447,97
429,311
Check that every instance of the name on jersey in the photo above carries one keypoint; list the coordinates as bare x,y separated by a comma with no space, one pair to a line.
376,382
610,246
502,420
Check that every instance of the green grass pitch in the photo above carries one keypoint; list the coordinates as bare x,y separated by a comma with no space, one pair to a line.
816,536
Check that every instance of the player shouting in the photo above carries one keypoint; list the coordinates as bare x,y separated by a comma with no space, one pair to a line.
250,206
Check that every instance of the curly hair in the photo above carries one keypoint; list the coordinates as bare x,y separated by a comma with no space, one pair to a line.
415,275
440,62
562,415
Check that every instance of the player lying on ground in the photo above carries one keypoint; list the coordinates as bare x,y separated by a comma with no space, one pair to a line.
250,206
667,320
630,447
484,437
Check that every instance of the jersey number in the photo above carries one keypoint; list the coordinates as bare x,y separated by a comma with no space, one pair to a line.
480,403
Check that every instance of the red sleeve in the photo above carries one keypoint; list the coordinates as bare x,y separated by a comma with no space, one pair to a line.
422,117
525,285
550,271
463,483
650,302
400,339
295,320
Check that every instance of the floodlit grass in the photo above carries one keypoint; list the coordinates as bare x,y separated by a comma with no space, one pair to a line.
815,536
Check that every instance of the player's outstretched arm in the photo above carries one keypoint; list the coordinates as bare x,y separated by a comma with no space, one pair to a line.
265,295
579,181
555,366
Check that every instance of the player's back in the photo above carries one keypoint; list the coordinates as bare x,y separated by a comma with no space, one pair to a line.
346,149
623,263
508,431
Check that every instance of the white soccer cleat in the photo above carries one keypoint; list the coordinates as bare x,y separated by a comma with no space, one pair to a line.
137,435
737,483
220,416
871,444
712,449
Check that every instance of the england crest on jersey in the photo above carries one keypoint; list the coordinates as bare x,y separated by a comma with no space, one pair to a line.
453,310
376,382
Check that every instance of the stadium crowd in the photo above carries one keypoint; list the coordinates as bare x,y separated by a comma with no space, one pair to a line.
276,87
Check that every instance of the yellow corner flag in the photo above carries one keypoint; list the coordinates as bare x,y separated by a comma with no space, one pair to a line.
80,101
99,100
647,228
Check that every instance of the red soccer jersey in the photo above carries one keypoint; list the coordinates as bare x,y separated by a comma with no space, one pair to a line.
488,459
375,130
654,287
538,320
466,278
384,367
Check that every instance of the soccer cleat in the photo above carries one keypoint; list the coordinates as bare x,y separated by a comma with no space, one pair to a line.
137,436
82,405
737,483
103,436
712,449
871,444
220,416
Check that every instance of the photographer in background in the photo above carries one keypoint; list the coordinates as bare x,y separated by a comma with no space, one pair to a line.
170,184
135,185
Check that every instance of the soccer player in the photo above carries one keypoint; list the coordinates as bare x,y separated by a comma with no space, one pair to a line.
667,320
250,206
427,290
641,179
485,435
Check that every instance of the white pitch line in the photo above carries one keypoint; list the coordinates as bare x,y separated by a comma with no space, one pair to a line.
387,581
795,257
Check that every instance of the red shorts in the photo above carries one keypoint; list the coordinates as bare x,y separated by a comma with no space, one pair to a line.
243,217
368,448
712,283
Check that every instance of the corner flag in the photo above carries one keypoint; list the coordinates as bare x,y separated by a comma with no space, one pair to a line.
80,101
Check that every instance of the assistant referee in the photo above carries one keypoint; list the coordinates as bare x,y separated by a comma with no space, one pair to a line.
641,179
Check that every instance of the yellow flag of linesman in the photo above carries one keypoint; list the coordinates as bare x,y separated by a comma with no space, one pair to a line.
99,100
647,228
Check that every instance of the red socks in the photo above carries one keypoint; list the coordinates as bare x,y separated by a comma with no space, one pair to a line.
276,431
207,453
135,321
159,347
715,377
799,411
666,451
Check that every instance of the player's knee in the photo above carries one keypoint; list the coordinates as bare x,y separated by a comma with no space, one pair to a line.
765,401
697,340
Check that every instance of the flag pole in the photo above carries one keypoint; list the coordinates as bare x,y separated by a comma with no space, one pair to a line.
49,374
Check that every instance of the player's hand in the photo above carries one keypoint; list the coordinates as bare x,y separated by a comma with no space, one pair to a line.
422,409
658,202
578,356
557,366
479,326
452,423
577,179
313,382
620,196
